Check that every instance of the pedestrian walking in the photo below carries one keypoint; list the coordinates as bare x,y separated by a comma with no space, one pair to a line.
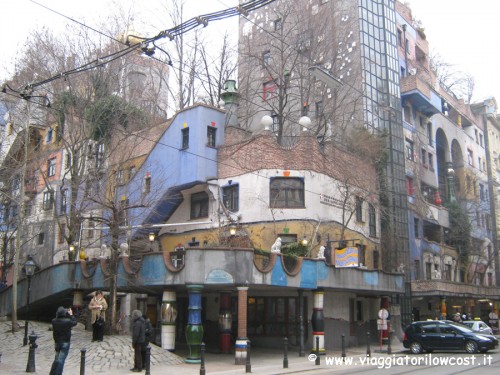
138,339
61,331
98,307
148,334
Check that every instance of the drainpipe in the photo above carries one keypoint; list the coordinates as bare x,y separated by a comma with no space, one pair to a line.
406,50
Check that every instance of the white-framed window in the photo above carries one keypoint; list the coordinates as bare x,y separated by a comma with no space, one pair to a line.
48,200
51,167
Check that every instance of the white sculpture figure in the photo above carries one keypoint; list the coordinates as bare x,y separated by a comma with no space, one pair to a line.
104,251
124,249
276,248
321,253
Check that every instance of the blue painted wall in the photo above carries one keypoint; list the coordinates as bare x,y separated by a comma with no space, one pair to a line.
172,166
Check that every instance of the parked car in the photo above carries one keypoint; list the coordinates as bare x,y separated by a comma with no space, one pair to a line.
446,335
478,326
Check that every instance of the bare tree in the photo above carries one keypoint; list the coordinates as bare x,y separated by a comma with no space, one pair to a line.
456,82
274,77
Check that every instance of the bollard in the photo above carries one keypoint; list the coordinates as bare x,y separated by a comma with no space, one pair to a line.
368,350
248,365
82,361
343,348
30,366
318,361
148,360
389,349
202,363
285,358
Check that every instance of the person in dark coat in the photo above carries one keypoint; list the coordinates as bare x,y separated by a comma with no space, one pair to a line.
149,334
138,339
61,331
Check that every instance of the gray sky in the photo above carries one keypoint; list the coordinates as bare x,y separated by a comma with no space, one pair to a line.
464,33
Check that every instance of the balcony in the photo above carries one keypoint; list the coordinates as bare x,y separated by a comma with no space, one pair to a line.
426,288
421,94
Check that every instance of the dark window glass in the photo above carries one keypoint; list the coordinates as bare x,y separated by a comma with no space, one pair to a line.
230,197
359,209
372,220
185,138
287,193
51,167
199,205
211,131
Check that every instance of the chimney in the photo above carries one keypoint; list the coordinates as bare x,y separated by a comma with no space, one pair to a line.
230,97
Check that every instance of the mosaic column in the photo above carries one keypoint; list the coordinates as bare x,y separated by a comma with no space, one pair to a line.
443,308
77,302
194,329
318,321
240,349
225,322
168,318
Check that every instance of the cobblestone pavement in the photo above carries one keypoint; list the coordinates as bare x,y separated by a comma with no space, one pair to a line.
113,354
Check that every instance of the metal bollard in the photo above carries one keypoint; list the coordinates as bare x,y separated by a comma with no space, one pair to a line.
148,360
82,361
318,361
368,350
389,349
343,348
202,363
248,365
30,366
285,358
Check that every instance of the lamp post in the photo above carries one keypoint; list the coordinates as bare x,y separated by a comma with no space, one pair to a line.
29,269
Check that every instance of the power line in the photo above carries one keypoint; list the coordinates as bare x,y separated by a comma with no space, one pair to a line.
178,30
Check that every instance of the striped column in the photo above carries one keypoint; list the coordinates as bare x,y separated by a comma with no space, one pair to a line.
168,318
240,349
194,329
318,321
225,322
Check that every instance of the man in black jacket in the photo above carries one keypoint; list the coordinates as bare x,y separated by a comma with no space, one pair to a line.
138,339
61,331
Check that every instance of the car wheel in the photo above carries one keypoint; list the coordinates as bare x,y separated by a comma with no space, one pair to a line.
470,347
416,347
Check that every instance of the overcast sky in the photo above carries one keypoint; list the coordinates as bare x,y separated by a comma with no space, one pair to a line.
464,33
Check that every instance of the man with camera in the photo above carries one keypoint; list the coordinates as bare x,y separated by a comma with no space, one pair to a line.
61,331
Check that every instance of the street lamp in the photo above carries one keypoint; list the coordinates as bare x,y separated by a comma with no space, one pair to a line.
29,269
151,238
71,254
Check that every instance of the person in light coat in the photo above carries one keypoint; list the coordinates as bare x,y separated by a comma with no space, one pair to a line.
98,307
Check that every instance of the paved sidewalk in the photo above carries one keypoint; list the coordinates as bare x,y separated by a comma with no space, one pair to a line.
114,356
